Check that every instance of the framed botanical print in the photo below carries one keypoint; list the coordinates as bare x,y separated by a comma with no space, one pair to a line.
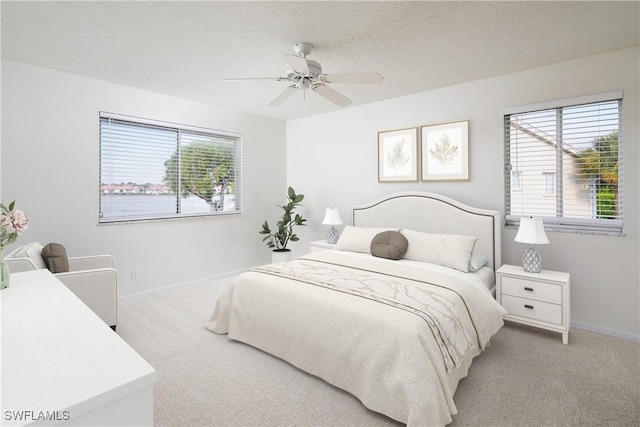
398,155
445,152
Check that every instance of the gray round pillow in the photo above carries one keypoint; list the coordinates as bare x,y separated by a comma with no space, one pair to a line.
389,244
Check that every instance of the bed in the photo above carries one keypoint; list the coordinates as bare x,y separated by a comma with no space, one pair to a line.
398,334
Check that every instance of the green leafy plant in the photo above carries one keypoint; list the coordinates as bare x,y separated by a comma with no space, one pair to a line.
278,239
203,170
600,164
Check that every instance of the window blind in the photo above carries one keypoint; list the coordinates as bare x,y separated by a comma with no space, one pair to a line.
153,170
564,164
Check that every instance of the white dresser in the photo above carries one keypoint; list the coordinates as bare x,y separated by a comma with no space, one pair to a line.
535,299
62,365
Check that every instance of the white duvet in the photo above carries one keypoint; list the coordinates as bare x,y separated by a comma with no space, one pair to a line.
397,335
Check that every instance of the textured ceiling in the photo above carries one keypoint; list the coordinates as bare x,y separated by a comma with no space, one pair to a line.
186,49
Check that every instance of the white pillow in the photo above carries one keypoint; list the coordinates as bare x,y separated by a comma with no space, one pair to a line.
477,261
449,250
358,239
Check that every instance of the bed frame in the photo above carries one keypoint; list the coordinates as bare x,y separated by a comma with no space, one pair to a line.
434,213
393,366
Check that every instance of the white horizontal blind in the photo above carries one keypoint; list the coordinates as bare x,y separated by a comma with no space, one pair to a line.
564,164
154,170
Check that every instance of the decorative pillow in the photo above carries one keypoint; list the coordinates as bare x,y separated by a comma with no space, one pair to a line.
477,261
449,250
55,256
389,244
358,239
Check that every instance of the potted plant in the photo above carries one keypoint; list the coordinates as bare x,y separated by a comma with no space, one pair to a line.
278,239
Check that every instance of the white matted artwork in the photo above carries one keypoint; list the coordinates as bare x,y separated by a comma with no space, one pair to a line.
398,155
445,152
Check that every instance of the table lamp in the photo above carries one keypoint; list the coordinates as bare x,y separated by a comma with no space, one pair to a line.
531,231
332,217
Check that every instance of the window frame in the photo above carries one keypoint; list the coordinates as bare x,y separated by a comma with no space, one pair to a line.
179,129
566,223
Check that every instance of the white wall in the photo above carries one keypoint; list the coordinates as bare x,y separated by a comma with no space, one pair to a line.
49,164
50,156
332,159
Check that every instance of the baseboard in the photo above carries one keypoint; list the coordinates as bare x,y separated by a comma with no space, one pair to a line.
147,293
606,331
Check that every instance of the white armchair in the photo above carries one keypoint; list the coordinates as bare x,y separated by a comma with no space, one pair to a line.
91,278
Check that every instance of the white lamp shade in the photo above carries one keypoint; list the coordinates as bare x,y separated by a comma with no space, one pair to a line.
332,217
532,231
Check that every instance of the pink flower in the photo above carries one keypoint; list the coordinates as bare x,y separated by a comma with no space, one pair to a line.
13,222
19,221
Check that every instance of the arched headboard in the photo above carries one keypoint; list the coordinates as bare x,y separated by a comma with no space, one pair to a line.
434,213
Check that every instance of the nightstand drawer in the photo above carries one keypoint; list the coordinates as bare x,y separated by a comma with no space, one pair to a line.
531,289
531,309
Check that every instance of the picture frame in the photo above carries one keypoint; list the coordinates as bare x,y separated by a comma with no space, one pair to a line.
398,155
445,152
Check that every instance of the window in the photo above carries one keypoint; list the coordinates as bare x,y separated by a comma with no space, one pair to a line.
516,180
549,182
563,163
155,170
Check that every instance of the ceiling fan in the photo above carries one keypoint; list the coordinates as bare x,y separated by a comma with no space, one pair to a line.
307,74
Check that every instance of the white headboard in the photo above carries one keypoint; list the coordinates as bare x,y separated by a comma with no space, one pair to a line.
433,213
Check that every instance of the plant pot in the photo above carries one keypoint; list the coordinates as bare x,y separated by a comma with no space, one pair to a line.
281,255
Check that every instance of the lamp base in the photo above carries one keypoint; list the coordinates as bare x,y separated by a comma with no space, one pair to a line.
531,261
332,235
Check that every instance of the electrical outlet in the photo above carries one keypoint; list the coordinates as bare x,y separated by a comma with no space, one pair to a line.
134,274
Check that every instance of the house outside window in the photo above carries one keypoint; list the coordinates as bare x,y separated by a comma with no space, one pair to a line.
568,159
516,180
157,170
549,183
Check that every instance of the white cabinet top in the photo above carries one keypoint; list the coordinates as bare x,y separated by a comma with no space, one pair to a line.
544,275
57,355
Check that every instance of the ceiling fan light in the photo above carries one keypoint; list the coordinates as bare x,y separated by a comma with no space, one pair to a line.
303,84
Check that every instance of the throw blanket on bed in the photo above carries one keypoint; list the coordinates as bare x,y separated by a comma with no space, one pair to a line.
379,329
441,308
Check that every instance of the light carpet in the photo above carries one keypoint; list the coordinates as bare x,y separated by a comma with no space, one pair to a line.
527,377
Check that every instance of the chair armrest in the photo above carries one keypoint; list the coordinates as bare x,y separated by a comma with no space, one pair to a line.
90,262
14,252
18,265
97,288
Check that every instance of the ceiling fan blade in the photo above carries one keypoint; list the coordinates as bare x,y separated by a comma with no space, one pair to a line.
243,79
282,96
298,63
332,95
352,78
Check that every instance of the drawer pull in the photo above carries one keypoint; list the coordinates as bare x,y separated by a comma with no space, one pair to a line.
526,288
530,307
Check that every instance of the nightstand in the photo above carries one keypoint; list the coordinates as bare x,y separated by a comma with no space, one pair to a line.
535,299
320,245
